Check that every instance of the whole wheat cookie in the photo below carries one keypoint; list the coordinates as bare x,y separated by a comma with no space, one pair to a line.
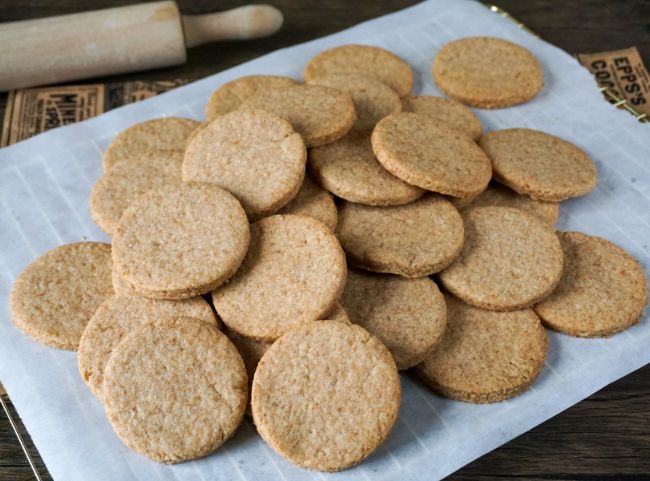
373,62
485,356
487,72
603,289
231,95
426,152
313,201
175,389
411,240
326,395
349,169
118,316
294,272
541,165
448,111
181,241
167,133
319,114
510,260
407,315
55,296
253,154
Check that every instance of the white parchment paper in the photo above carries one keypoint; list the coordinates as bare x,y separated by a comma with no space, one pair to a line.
44,187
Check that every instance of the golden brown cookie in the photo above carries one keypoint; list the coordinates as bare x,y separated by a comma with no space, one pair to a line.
412,240
603,289
452,113
313,201
326,395
373,62
510,260
485,356
253,154
487,72
426,152
179,242
294,272
541,165
175,389
407,315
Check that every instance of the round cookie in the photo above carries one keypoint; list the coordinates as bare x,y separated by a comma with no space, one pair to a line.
179,242
167,133
118,316
127,180
412,240
55,296
448,111
541,165
326,395
349,169
407,315
189,385
319,114
510,260
313,201
487,72
603,289
231,95
485,356
294,272
425,152
373,62
253,154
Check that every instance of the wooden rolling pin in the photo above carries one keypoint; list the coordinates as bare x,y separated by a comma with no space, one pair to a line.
118,40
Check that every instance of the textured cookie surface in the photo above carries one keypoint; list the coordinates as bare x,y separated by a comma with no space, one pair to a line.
349,169
294,272
253,154
407,315
325,395
411,240
179,242
603,289
365,60
313,201
539,164
55,296
175,390
485,356
445,110
510,260
487,72
118,316
425,152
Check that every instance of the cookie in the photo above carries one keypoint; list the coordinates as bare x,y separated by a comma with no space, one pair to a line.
127,180
510,260
541,165
253,154
319,114
407,315
167,133
118,316
448,111
181,241
313,201
231,95
349,169
326,395
487,72
373,62
485,356
55,296
175,389
294,272
603,289
425,152
412,240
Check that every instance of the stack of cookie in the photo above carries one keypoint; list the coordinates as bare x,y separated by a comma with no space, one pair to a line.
228,271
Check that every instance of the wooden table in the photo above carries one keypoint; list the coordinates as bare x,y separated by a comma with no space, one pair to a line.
606,436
